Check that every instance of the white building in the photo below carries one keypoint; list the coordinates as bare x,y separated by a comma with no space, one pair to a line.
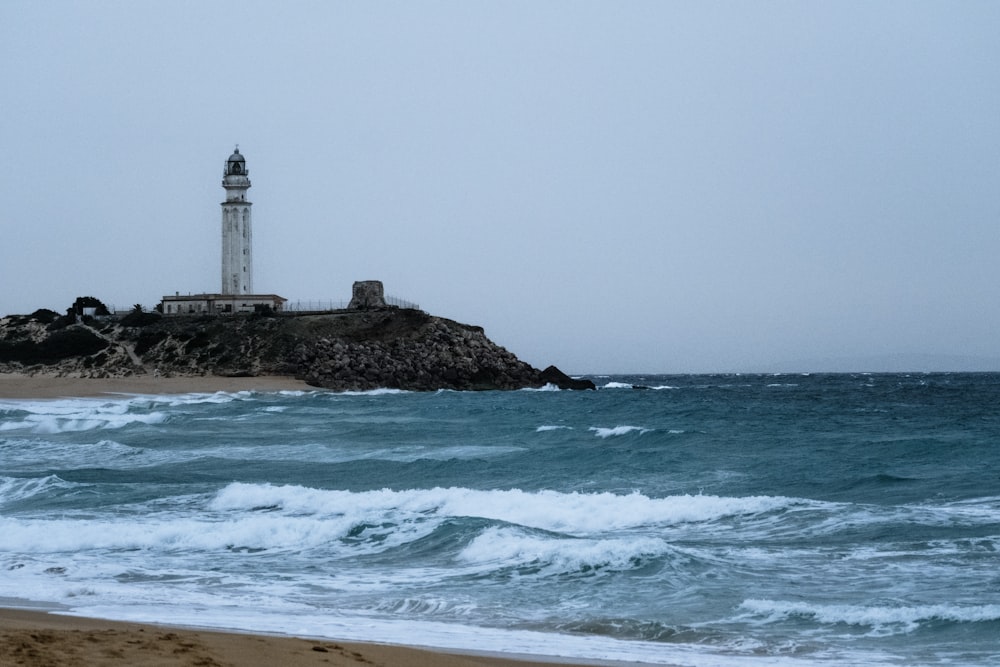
220,304
237,256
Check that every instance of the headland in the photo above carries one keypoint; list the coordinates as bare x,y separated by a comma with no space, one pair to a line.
45,354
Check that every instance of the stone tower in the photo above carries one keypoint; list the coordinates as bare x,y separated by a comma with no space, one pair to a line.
237,232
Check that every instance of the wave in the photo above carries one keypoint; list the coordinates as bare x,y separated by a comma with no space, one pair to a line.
15,489
618,430
546,387
50,416
882,619
121,404
184,535
627,385
425,606
573,513
77,415
381,391
552,427
509,547
31,455
858,518
323,453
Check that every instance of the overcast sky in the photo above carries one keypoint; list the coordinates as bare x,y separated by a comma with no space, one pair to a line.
606,186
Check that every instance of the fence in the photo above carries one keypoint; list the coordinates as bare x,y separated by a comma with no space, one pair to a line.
401,303
318,306
326,305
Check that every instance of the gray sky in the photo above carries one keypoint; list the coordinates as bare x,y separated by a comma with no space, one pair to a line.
609,186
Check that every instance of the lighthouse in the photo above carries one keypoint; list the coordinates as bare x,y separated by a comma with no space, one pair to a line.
237,230
236,295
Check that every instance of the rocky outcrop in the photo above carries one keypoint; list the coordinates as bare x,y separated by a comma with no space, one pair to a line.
345,350
405,349
553,375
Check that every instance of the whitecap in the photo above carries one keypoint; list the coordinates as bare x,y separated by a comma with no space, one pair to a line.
574,513
617,430
551,427
249,532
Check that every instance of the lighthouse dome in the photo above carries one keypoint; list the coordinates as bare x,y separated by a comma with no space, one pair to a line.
236,164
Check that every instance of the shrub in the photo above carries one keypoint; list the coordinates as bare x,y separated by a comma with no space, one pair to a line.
72,342
149,340
45,316
60,345
137,318
89,302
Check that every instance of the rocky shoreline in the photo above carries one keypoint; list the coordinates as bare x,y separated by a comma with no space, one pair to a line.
349,350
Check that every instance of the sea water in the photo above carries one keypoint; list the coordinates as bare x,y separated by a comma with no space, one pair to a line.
702,520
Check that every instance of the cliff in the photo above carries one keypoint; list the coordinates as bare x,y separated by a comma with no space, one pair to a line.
344,350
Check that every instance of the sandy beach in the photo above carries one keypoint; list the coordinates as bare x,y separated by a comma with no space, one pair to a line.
37,639
14,385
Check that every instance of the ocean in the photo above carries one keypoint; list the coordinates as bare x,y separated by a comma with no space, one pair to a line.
700,520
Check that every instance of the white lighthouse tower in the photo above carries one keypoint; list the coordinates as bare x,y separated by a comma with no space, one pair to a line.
237,295
237,232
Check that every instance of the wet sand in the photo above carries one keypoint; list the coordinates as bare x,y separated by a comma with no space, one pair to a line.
14,385
37,639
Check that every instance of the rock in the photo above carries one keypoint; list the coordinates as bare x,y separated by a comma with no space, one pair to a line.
553,375
342,350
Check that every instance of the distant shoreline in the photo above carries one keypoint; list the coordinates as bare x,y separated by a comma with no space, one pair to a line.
22,386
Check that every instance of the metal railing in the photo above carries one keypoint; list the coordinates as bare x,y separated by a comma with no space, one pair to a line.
327,305
401,303
315,306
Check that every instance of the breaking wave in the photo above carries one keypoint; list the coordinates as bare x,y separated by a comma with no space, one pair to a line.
573,513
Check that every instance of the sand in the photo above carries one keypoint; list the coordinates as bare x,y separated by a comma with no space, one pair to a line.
13,385
37,639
